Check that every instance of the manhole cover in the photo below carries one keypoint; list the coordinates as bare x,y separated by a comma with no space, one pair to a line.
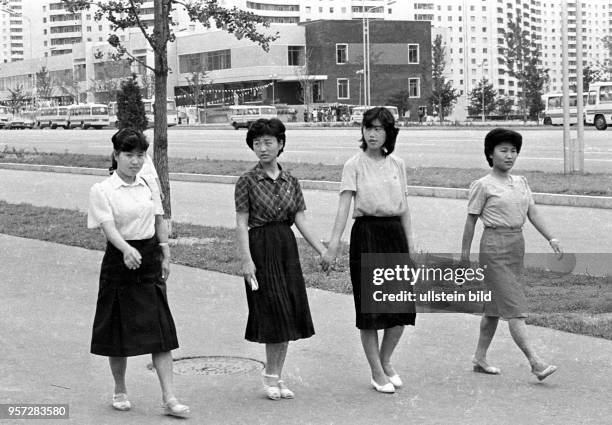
216,365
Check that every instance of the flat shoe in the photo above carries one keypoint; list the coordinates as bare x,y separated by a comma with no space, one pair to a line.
273,392
487,369
396,380
387,388
173,408
121,402
284,391
545,373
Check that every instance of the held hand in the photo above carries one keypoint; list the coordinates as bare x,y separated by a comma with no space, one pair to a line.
464,261
165,265
132,258
556,247
327,259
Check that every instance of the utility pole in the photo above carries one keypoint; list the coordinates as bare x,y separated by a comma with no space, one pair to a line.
567,143
579,144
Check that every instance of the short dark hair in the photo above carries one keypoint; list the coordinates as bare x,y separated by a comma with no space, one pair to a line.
126,140
387,120
267,127
498,136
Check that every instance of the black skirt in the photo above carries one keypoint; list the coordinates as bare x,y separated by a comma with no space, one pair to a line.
132,313
278,310
376,235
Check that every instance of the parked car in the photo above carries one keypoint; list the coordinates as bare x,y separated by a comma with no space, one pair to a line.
14,122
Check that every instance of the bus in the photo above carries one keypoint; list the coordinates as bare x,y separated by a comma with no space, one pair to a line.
171,112
357,113
245,115
599,109
52,117
88,115
5,116
553,108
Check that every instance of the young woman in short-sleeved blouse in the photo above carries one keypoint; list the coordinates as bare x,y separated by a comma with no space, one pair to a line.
132,313
269,201
375,181
503,202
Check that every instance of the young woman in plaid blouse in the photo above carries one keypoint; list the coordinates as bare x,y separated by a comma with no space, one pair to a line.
269,201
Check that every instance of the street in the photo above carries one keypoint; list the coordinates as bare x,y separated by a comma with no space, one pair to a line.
419,147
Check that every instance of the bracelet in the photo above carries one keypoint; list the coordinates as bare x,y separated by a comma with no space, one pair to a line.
553,240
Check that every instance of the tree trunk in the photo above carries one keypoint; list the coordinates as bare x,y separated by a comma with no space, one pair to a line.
160,129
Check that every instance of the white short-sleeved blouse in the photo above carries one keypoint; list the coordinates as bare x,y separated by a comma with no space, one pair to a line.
132,207
498,203
379,185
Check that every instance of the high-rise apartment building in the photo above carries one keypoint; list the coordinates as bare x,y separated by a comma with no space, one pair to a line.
15,29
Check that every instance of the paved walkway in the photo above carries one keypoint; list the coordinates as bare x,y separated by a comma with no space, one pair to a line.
48,297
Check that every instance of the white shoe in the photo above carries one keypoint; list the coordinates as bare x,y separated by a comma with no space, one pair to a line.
121,402
387,388
173,408
396,380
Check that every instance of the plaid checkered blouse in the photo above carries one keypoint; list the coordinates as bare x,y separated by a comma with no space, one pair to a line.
267,200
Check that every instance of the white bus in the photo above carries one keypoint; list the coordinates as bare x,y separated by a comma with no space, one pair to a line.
245,115
553,108
88,115
5,116
171,113
357,113
599,109
52,117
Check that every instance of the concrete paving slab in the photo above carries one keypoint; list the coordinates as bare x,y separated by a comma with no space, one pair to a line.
49,293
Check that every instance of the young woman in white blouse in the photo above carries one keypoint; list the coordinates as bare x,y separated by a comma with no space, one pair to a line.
132,313
503,202
375,180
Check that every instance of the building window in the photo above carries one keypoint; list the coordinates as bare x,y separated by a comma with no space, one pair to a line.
414,87
341,54
343,88
295,55
413,53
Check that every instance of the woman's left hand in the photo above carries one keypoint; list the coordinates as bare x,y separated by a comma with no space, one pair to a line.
165,266
556,246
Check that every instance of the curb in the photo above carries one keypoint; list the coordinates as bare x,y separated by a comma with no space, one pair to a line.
581,201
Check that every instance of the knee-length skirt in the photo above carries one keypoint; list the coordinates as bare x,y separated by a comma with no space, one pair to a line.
502,251
375,235
278,310
132,313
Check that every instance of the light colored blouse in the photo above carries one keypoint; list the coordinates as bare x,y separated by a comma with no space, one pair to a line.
132,207
498,203
379,186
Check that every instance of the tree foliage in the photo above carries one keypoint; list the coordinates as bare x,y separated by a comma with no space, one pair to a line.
197,82
443,95
523,62
17,100
505,105
130,109
490,98
401,100
125,14
44,84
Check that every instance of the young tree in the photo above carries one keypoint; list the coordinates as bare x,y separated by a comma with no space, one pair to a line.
303,76
147,85
197,81
17,100
109,75
130,109
505,105
124,14
401,100
522,60
490,98
443,95
44,84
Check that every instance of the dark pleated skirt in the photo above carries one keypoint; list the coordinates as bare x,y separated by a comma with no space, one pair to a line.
132,313
278,310
502,251
376,235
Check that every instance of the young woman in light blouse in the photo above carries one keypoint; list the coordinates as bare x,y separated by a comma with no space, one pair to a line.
269,201
132,313
503,202
375,180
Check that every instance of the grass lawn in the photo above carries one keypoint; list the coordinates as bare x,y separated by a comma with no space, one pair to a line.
573,303
586,184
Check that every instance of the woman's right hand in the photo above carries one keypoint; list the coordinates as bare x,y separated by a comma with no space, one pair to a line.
248,272
327,258
132,258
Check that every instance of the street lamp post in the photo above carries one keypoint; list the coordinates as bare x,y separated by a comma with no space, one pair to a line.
273,77
482,88
367,94
360,73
